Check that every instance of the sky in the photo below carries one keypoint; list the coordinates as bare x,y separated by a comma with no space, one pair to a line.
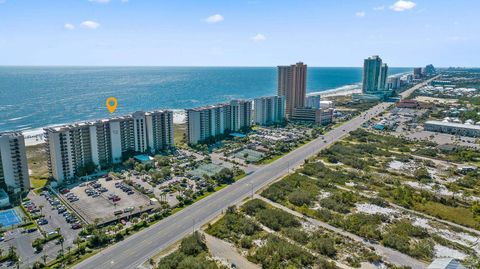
239,32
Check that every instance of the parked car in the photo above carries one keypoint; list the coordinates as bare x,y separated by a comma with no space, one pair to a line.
76,225
64,191
128,209
42,222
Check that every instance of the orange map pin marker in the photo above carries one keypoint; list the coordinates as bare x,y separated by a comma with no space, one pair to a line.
111,104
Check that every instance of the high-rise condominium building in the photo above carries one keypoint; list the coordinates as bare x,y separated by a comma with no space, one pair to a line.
71,148
13,163
374,75
292,83
159,130
240,115
382,80
269,110
417,72
205,122
394,83
313,101
214,120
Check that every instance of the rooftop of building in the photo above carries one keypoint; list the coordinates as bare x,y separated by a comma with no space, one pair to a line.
67,127
11,134
207,107
445,263
453,124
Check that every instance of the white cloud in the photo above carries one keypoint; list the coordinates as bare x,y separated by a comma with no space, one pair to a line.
100,1
402,5
90,24
214,18
69,26
379,8
259,38
360,14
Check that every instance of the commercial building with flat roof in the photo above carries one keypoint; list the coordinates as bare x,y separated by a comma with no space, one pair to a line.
453,128
314,115
101,143
269,110
14,177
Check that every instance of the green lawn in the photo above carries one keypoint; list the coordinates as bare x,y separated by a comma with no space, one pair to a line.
37,183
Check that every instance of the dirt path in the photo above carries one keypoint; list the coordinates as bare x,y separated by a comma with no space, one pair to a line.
223,250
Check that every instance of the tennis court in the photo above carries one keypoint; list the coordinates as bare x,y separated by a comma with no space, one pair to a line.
9,218
209,169
249,155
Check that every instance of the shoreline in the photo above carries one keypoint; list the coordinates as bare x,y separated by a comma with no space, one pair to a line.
34,137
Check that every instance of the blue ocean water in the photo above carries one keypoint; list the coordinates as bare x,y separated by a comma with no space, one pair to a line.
35,97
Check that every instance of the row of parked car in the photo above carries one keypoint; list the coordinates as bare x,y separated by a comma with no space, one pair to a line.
71,197
61,209
31,207
127,189
95,189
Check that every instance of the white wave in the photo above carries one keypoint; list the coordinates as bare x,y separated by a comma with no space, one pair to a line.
18,118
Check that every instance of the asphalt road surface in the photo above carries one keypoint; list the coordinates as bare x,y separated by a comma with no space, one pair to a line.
139,247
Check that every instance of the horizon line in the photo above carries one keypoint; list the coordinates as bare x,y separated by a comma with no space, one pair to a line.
213,66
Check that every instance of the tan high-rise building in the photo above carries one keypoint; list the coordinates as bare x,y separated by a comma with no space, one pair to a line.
292,83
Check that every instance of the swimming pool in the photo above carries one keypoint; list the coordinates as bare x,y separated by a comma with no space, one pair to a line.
9,218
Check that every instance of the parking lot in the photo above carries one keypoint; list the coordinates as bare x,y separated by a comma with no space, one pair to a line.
105,200
22,238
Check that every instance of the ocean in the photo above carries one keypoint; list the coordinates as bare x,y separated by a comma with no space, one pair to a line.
36,97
